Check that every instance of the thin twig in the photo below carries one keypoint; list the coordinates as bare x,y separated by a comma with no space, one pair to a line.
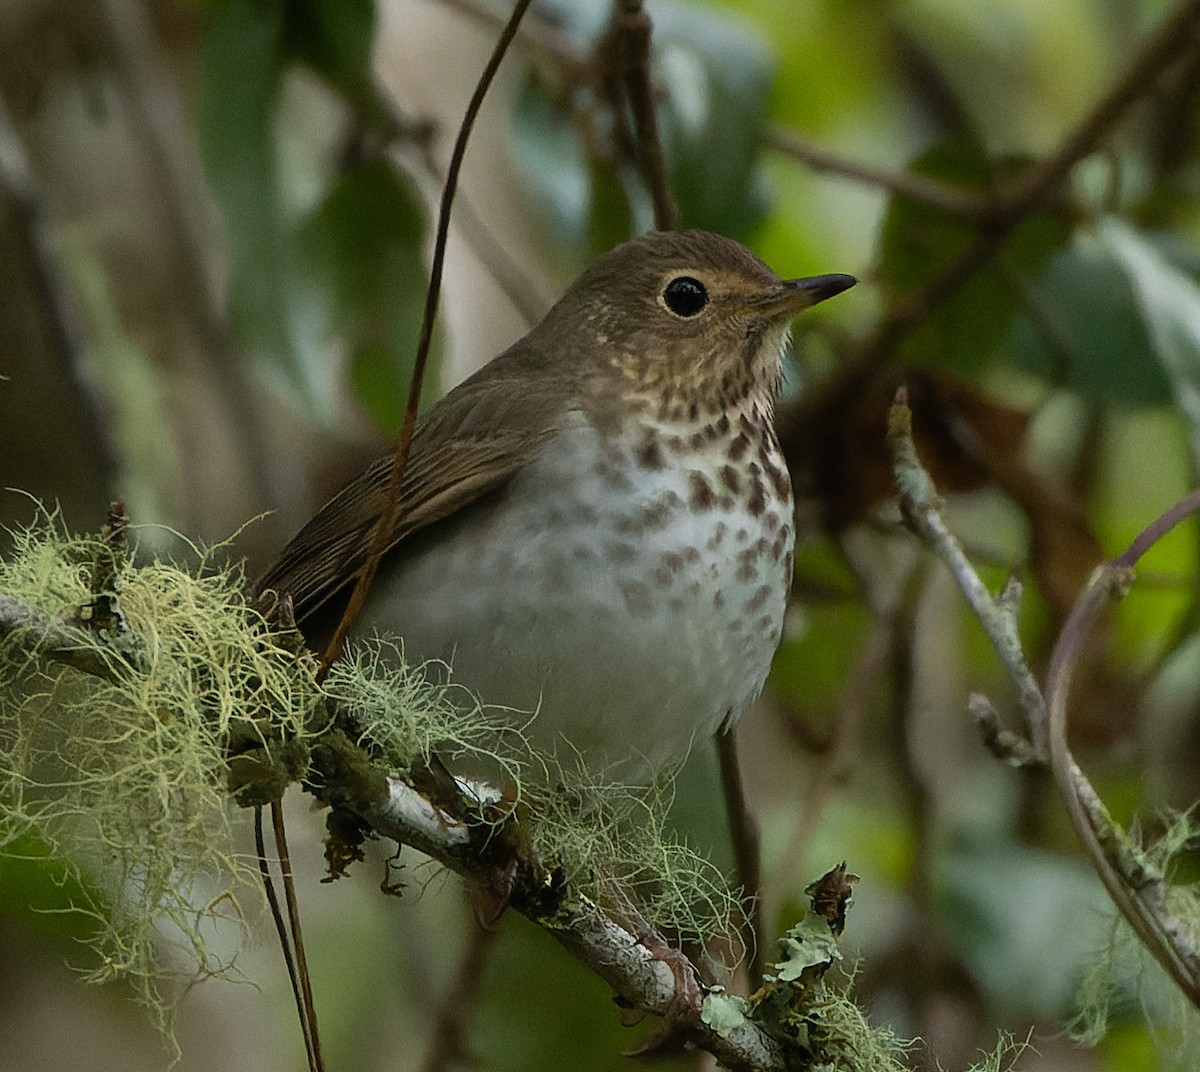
382,535
391,127
1174,38
281,932
965,204
629,34
533,33
747,853
920,507
1007,210
1137,888
312,1040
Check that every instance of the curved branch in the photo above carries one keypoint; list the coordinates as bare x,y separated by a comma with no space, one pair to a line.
1138,888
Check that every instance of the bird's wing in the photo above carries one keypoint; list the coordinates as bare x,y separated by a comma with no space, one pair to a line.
470,443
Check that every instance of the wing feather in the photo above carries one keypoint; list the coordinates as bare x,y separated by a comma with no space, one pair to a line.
469,444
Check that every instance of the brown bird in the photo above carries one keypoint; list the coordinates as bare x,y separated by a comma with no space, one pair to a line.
596,526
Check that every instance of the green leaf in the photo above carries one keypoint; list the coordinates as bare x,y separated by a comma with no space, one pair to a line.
1087,330
717,71
921,242
1169,302
239,69
334,37
554,167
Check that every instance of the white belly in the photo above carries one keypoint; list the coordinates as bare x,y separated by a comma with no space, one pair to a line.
592,594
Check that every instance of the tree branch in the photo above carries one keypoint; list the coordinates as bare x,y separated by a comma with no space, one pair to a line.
939,195
1137,886
577,924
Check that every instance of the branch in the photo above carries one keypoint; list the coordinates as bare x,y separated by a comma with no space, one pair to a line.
59,641
1004,213
1138,888
628,41
920,507
397,811
939,195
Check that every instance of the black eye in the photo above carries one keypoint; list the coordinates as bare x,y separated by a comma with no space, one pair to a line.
685,296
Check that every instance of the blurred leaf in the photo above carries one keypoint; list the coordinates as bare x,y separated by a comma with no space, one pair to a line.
239,70
920,243
610,216
1087,329
1028,922
554,167
361,255
810,670
335,38
1169,302
717,71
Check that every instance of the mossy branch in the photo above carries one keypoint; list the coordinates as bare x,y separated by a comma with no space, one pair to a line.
190,722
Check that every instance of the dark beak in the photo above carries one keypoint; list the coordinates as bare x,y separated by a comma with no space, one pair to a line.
819,287
795,295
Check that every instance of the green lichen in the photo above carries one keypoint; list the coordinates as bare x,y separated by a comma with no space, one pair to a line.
123,779
609,841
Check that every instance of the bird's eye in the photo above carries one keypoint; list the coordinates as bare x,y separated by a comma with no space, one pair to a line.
685,296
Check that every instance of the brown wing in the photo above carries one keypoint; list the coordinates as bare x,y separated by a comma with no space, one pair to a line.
470,443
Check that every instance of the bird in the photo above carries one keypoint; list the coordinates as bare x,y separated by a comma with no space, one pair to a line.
595,530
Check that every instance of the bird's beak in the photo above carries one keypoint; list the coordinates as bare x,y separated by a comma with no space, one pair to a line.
795,295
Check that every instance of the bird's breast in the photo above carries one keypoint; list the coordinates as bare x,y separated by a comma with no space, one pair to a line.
629,585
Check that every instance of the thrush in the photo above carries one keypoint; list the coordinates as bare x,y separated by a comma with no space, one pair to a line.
596,528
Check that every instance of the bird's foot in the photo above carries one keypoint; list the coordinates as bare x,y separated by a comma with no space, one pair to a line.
683,1012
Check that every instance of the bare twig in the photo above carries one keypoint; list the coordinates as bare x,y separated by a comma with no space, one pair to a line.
628,41
920,505
939,195
747,853
391,127
387,519
533,34
1172,41
308,1019
1137,887
281,932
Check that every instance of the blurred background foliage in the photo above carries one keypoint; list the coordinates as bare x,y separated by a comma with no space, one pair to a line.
214,227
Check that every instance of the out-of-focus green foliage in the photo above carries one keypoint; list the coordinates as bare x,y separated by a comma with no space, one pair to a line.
337,255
